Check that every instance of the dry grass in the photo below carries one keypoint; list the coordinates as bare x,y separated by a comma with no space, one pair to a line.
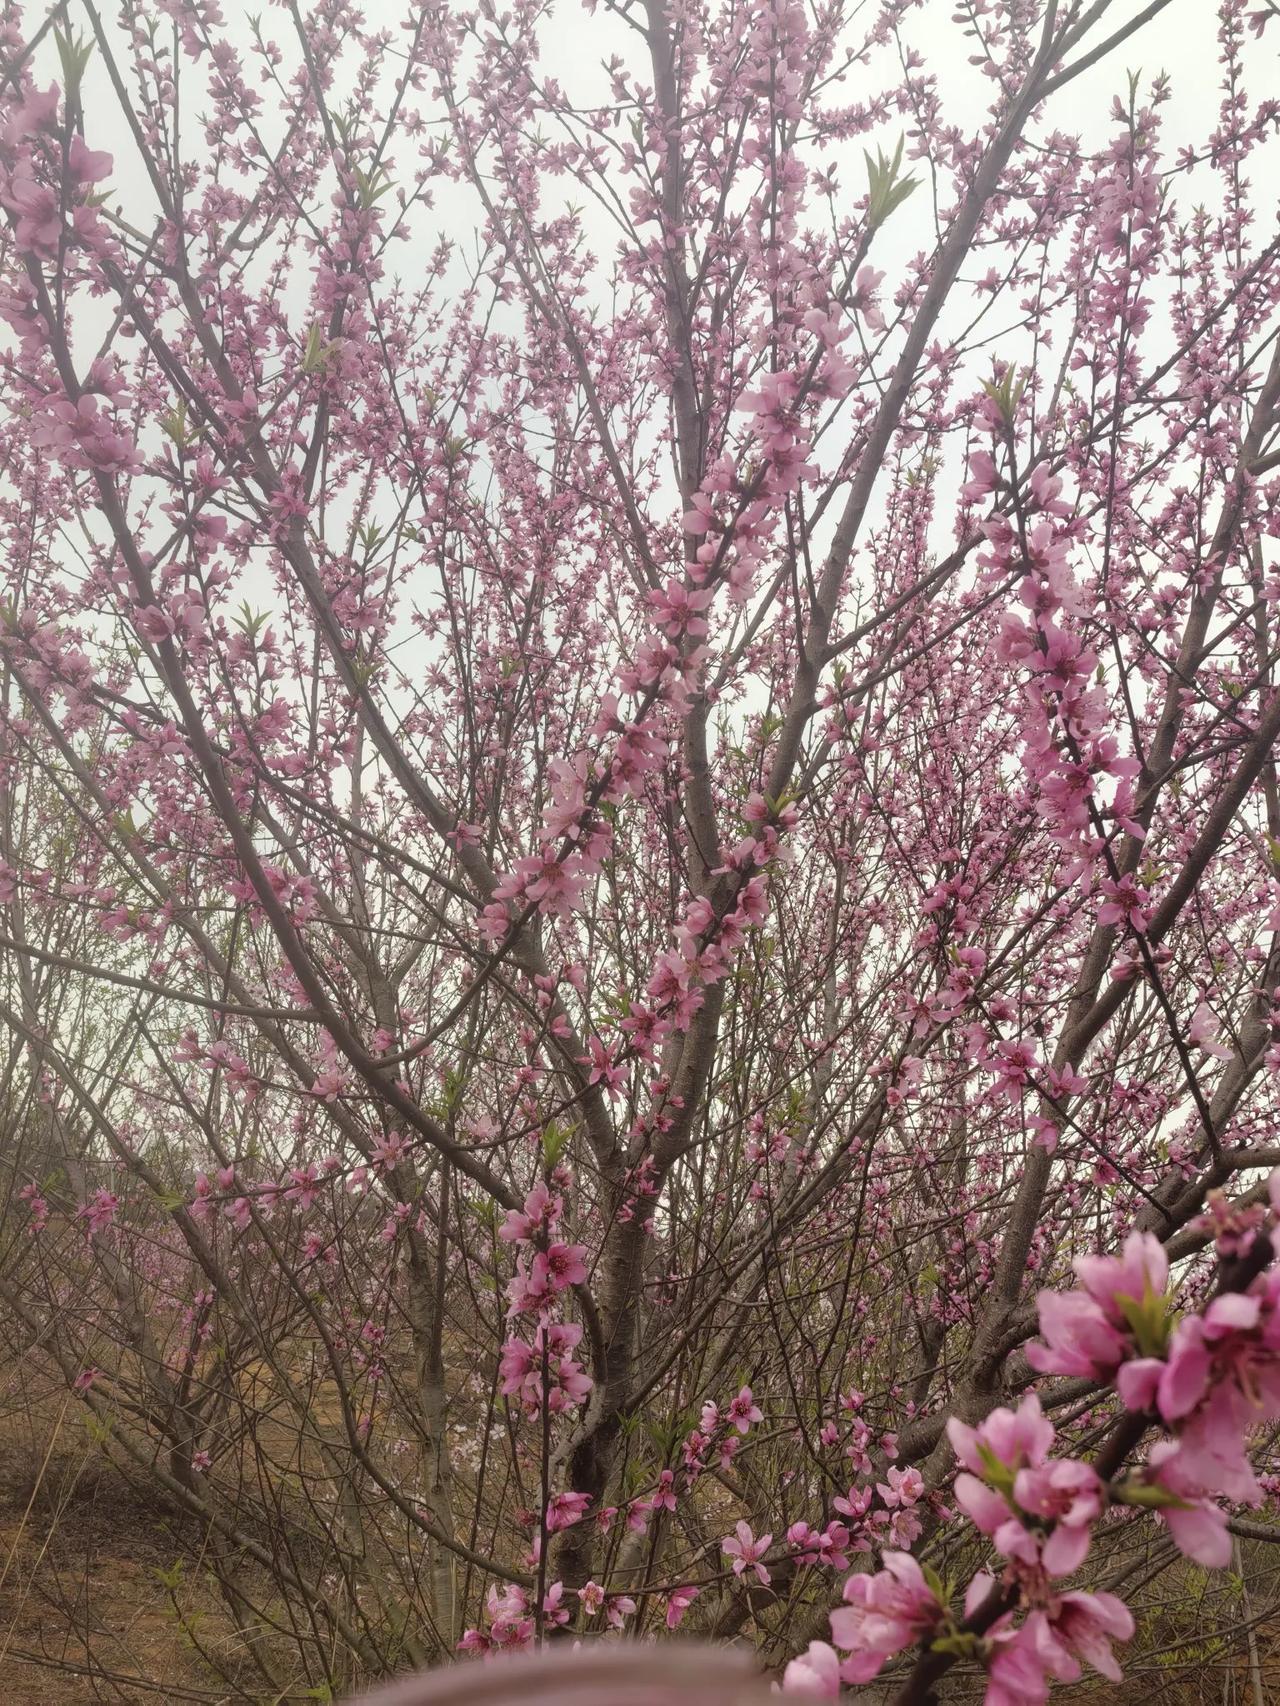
84,1613
91,1610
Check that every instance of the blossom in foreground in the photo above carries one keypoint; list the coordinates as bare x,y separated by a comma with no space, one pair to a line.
1196,1526
883,1614
1118,1313
815,1672
1038,1513
678,1602
1053,1644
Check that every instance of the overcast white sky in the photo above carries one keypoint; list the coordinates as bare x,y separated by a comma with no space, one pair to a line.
1181,41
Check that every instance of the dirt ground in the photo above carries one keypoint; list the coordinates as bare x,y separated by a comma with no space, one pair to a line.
92,1612
85,1616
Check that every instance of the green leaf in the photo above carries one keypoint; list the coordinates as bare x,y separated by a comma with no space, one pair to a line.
315,352
887,190
75,54
1150,1319
175,426
995,1472
935,1584
372,186
454,1085
250,622
959,1643
1005,391
1145,1496
554,1139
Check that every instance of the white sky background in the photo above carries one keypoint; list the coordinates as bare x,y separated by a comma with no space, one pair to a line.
1181,41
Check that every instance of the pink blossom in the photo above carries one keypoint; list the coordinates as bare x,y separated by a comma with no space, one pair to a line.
591,1597
36,113
1052,1643
1085,1624
1221,1379
1118,1312
743,1411
1077,1337
991,1513
678,1602
558,1267
38,220
1127,902
540,1210
304,1186
816,1672
1196,1526
1068,1495
99,1212
1203,1033
565,1509
883,1614
746,1551
511,1626
555,1612
983,478
617,1608
1016,1439
904,1487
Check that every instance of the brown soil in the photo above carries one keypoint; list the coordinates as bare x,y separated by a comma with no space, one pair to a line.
84,1615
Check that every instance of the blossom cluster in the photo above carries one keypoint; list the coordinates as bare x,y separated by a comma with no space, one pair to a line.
575,835
1068,746
539,1368
1207,1378
47,179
